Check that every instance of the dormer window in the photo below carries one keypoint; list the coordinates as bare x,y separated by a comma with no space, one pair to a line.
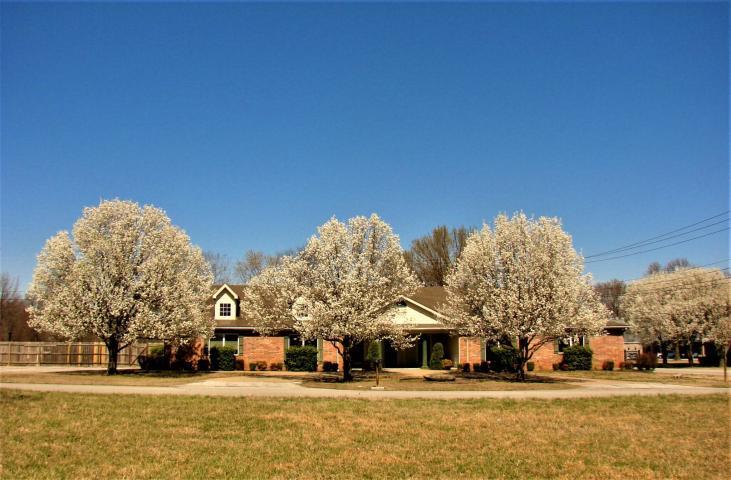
224,309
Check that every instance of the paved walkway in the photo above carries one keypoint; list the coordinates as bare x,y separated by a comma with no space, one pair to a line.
294,389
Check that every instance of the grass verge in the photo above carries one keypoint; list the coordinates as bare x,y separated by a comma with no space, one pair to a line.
695,380
469,382
124,377
60,435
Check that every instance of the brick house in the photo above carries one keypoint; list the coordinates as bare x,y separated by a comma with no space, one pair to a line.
418,313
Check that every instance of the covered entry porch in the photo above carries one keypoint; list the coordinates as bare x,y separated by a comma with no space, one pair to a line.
419,354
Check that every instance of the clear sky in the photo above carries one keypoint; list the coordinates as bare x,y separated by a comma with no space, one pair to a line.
251,124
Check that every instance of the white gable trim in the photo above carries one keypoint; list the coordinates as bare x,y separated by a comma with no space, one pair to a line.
407,299
226,287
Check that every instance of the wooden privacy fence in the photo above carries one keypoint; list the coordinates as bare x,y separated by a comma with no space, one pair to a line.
60,353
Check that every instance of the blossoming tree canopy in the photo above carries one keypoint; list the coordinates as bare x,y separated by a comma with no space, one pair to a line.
522,281
126,273
677,306
341,287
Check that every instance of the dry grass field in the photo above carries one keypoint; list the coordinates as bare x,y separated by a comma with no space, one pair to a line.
55,435
132,377
657,376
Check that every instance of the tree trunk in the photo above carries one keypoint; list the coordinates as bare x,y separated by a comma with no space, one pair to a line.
522,359
664,353
113,350
347,373
677,351
690,352
724,360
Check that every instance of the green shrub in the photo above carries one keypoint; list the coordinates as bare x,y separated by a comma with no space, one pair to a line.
301,359
329,366
204,365
437,354
556,366
214,355
252,366
373,355
628,365
261,365
156,350
484,366
226,358
530,366
447,364
647,361
475,367
275,366
155,359
464,367
577,357
502,359
608,365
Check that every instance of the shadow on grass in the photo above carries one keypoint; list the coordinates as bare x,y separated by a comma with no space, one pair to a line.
459,377
136,373
511,378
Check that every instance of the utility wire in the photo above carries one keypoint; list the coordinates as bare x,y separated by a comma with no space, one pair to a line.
643,243
624,249
657,248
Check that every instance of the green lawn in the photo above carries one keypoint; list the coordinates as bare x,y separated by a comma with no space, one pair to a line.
55,435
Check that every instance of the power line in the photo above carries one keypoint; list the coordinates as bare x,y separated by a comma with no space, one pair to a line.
658,248
643,243
624,249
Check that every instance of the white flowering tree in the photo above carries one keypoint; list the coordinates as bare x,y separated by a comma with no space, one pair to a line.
521,284
677,306
342,287
720,334
127,273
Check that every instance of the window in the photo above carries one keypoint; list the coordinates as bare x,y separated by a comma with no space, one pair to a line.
295,339
231,341
226,340
565,342
224,310
216,341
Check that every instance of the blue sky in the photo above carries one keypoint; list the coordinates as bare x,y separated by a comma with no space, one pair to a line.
251,124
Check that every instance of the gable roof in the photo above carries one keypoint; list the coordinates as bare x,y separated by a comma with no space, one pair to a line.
434,298
231,290
430,297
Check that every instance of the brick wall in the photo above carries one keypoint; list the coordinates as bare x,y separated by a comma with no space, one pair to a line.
545,357
604,347
330,354
607,347
268,349
470,350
